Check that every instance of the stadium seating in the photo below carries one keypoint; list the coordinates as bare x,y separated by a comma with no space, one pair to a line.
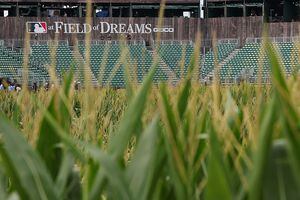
109,61
105,63
289,53
141,60
250,59
209,61
42,55
11,65
245,59
176,56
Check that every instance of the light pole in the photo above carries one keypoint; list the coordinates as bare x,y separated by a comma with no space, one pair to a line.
201,11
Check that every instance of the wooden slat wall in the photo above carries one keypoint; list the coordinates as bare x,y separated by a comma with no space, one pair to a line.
185,29
103,1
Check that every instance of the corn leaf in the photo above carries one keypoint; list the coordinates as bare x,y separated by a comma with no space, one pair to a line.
142,167
289,116
218,183
115,175
261,155
128,125
49,141
131,119
279,181
33,181
173,147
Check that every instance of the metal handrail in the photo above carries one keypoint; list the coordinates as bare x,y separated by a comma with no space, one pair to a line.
101,42
273,39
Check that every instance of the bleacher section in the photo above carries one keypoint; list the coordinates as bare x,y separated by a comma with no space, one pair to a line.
141,60
11,65
290,54
246,60
209,62
62,54
177,57
251,62
108,61
105,64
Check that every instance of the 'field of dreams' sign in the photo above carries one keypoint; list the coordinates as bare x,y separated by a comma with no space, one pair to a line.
102,27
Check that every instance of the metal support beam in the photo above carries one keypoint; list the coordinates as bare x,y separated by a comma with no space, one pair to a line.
93,10
130,10
17,10
38,11
110,10
80,10
244,9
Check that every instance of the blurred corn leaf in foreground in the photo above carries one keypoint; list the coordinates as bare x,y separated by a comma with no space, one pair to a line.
24,166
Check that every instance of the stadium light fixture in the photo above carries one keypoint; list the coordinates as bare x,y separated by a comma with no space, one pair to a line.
187,14
5,13
201,9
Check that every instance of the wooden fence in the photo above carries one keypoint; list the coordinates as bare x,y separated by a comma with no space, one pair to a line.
13,28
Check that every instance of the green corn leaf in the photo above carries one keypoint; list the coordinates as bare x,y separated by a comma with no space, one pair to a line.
173,148
114,174
64,173
277,74
27,170
73,190
168,112
202,144
261,155
218,183
234,116
131,119
48,144
289,116
66,140
129,124
142,167
279,181
49,141
91,173
186,89
183,98
16,115
3,183
96,182
129,86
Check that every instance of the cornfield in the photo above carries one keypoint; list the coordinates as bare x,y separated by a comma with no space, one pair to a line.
153,141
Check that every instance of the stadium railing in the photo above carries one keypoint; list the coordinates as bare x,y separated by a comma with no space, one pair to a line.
49,42
229,41
181,42
15,43
274,39
100,42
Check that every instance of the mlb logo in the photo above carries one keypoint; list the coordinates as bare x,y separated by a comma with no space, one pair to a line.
36,27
